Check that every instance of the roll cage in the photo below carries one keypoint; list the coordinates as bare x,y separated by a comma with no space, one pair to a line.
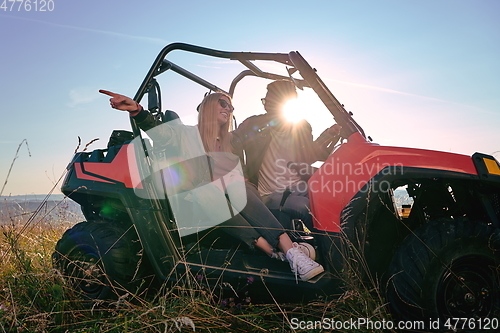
293,60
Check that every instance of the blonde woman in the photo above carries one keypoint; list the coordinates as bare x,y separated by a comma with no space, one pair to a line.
255,224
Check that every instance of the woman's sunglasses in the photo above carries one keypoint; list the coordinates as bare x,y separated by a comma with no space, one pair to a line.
225,105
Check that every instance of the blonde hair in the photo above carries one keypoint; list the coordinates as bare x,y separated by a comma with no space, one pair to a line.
209,127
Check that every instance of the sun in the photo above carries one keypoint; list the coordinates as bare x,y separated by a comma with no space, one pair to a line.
296,109
292,110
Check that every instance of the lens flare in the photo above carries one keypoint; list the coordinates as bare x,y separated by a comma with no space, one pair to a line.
293,111
176,176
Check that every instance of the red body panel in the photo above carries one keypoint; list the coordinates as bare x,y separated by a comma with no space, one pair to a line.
80,174
122,169
355,162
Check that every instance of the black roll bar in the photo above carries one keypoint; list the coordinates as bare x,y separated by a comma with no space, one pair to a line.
293,59
181,71
241,56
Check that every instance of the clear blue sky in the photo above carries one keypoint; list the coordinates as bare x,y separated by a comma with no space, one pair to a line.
422,74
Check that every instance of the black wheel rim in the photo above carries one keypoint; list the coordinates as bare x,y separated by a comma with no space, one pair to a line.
469,288
85,270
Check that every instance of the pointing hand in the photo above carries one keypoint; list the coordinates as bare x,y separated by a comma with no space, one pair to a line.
121,102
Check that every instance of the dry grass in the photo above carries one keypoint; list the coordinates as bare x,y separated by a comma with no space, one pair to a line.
35,298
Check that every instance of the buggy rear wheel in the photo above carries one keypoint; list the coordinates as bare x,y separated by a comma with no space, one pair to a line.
100,260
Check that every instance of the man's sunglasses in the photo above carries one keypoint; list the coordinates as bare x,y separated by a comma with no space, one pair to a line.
225,105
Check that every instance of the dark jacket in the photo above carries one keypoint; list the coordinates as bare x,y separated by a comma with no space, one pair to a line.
253,136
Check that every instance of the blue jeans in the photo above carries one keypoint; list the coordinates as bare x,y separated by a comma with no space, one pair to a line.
260,217
296,205
254,219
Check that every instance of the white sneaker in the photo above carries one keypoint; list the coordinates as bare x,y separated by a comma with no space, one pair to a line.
308,250
302,265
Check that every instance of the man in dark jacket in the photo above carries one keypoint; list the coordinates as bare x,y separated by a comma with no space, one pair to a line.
278,153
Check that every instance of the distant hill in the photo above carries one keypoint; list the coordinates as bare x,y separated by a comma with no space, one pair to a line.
20,208
32,197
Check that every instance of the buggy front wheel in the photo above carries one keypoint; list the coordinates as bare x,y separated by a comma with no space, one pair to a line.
447,269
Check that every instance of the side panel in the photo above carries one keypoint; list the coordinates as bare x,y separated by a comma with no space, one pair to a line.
122,169
355,163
